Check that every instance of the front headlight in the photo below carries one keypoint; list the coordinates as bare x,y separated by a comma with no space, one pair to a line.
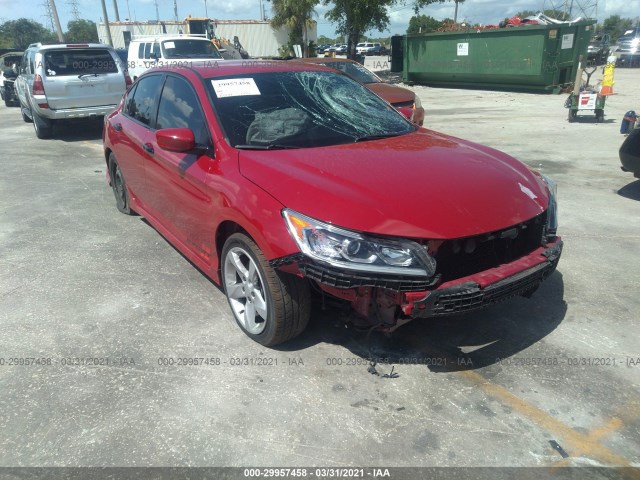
552,210
355,251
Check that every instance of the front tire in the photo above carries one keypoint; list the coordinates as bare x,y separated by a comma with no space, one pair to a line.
119,186
271,307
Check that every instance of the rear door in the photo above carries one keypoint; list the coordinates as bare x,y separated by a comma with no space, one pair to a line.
25,78
81,77
132,133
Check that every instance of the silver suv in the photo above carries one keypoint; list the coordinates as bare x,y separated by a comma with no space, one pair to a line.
68,81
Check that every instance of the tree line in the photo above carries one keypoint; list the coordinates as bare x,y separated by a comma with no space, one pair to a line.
613,25
21,33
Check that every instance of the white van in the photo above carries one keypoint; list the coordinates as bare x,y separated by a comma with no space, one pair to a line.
162,51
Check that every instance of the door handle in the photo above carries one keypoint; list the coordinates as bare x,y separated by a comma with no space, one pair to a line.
148,148
117,127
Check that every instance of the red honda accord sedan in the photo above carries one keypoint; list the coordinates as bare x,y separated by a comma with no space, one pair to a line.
272,178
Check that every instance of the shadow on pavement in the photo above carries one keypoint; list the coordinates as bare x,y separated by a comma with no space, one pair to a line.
461,342
631,191
78,130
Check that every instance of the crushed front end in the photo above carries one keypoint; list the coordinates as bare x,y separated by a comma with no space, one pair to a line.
390,281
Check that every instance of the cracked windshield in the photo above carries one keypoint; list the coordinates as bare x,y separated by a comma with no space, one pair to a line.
301,110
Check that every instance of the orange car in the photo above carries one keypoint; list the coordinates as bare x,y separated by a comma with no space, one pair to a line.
395,95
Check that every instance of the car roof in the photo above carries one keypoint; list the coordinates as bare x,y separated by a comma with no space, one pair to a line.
171,38
9,54
323,60
216,68
72,46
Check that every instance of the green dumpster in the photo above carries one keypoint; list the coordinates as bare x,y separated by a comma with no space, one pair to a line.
397,54
540,58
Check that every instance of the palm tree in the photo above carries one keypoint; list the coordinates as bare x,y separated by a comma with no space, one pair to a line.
295,15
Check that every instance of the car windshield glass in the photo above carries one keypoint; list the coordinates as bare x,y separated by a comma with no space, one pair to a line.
185,48
354,70
78,62
301,109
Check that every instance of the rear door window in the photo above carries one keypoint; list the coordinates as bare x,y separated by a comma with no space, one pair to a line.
75,62
142,105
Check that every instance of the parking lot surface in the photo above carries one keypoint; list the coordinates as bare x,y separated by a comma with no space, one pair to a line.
116,351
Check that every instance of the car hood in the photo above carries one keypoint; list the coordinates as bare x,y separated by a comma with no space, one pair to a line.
391,93
420,185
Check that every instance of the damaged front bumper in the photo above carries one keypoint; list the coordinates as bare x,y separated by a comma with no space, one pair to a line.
384,300
519,278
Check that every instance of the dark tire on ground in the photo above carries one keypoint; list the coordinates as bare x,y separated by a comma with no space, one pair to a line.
271,307
119,186
25,117
42,126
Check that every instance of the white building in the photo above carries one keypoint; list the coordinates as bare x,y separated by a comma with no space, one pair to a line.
257,37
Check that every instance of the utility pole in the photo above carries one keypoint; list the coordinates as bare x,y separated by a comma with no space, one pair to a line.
48,14
56,20
75,9
175,10
115,7
157,13
106,22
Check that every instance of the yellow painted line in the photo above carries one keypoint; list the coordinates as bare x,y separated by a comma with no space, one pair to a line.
605,430
572,441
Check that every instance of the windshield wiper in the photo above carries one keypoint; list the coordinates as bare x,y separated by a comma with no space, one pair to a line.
271,146
376,137
87,75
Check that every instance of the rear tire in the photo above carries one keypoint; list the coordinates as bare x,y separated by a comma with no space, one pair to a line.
119,186
42,126
271,307
25,117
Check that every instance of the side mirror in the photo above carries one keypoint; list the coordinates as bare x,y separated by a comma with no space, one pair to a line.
179,140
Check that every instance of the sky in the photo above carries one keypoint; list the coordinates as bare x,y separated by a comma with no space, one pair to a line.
473,11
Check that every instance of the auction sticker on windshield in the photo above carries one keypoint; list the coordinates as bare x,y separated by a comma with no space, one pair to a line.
235,87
